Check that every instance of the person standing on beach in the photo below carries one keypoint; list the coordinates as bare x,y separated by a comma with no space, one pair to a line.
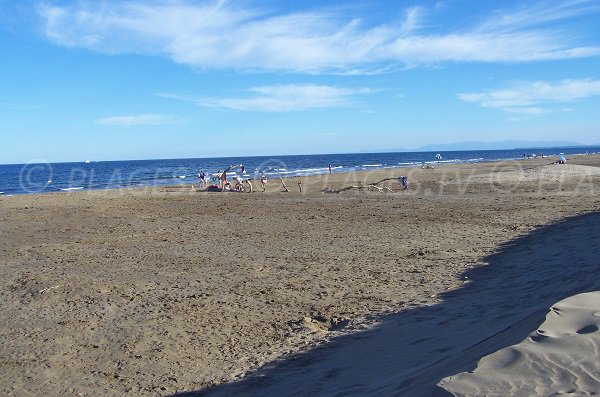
263,182
405,182
242,169
330,168
223,179
201,179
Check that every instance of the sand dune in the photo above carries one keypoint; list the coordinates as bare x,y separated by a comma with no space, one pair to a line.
561,357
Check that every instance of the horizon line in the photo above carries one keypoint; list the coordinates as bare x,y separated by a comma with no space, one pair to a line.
318,154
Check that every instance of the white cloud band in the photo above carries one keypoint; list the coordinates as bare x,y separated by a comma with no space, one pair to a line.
218,35
282,98
527,97
136,120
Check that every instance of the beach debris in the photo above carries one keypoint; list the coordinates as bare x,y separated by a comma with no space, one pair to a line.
249,184
283,185
359,187
380,189
42,291
370,186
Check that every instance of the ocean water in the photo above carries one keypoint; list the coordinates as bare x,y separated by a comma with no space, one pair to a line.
64,177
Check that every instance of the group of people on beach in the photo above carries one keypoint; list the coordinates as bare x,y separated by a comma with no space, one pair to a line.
220,182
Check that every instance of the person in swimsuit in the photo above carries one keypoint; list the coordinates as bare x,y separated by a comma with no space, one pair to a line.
263,181
223,179
201,179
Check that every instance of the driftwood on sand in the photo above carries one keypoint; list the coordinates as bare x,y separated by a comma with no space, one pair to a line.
249,184
360,187
283,185
370,186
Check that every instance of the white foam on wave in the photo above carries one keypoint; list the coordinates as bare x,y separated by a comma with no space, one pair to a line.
371,165
67,189
298,171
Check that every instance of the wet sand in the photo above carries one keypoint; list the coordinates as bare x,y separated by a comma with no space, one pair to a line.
154,291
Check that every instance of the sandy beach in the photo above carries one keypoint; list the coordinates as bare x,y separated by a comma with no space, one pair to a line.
327,291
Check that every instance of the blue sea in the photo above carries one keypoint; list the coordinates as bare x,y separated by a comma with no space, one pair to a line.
65,177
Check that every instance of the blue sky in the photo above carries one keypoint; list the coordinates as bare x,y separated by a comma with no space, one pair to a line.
107,80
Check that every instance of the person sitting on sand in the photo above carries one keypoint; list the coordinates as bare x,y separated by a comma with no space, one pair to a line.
239,187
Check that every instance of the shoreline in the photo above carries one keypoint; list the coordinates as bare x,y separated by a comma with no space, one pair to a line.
338,178
38,187
157,292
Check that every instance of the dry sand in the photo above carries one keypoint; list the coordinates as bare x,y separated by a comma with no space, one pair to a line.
408,353
150,292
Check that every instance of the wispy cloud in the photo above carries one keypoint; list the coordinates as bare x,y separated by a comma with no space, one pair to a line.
218,34
539,13
282,98
141,119
531,97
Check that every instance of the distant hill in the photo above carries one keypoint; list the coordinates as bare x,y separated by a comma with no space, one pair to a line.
502,145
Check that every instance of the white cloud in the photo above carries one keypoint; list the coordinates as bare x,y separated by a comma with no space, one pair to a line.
142,119
282,98
530,110
216,34
539,13
528,97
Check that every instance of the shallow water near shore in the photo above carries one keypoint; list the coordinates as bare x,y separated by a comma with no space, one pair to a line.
43,177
